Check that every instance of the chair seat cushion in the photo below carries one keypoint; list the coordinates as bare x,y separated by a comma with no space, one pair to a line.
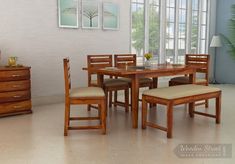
185,80
87,92
142,80
94,82
114,82
180,91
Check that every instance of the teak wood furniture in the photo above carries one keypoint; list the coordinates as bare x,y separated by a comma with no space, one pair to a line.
135,73
110,84
83,95
15,91
201,62
127,60
176,95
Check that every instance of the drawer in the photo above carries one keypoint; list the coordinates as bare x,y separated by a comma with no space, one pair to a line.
11,75
15,107
14,86
14,96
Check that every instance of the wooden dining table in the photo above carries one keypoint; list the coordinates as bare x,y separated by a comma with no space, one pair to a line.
137,72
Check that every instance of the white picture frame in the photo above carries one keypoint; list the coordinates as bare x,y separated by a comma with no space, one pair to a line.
90,14
111,16
68,13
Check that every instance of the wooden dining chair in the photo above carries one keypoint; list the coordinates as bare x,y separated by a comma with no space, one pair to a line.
126,60
83,95
110,84
201,62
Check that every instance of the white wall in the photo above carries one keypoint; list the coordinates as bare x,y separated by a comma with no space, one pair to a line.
29,30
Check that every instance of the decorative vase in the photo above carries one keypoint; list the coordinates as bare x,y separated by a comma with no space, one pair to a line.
147,64
12,61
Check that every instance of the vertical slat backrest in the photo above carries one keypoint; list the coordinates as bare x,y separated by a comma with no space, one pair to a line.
122,60
98,61
200,61
67,77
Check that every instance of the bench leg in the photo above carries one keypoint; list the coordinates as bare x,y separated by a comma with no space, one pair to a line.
191,107
169,120
218,109
144,113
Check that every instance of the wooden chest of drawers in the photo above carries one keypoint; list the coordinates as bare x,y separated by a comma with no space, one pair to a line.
15,92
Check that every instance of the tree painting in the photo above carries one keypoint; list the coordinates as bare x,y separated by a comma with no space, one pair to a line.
90,14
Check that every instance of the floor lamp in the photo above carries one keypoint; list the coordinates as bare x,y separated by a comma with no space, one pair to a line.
215,42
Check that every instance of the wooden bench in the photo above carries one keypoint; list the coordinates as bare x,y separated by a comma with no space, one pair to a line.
176,95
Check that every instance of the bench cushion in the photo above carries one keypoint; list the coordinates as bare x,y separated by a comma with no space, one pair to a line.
180,91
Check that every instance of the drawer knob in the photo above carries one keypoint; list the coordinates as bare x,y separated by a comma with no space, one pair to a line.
15,75
17,96
17,106
16,86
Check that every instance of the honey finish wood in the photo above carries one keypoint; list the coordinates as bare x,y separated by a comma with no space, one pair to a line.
15,91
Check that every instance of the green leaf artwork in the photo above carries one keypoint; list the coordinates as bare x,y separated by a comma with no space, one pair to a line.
68,13
110,16
229,41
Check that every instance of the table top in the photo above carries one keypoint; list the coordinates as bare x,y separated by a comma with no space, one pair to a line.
141,69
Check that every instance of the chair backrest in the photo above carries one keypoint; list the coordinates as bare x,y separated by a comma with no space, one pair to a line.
67,78
200,61
98,61
121,60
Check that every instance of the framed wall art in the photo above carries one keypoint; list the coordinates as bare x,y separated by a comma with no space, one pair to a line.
90,14
68,13
110,16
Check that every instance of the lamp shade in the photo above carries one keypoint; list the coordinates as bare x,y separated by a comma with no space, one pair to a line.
216,41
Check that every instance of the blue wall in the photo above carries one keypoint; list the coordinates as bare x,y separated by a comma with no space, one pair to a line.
225,64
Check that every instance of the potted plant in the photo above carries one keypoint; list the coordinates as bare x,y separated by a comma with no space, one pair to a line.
148,56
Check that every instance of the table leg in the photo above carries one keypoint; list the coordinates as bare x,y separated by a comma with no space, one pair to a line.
155,82
100,80
134,100
155,85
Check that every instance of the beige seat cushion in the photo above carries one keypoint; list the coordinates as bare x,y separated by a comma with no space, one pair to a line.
87,92
142,80
180,91
185,79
